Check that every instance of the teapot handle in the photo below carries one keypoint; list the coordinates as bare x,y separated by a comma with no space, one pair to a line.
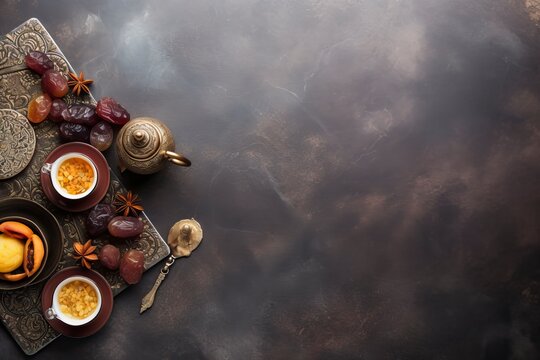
177,159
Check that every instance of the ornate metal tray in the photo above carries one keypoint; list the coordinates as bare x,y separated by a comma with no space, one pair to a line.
20,310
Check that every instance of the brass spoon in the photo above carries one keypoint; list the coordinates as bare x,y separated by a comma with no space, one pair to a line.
184,237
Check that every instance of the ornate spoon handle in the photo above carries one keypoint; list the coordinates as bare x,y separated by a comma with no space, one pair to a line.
184,237
148,299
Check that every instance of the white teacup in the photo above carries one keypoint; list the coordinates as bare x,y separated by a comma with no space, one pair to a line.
55,311
53,168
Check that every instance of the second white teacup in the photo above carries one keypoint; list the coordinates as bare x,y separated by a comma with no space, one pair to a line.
76,301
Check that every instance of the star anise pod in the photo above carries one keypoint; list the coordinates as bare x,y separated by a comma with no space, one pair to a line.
85,253
79,83
128,203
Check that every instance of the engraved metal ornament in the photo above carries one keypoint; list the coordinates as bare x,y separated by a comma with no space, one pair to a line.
145,144
17,143
184,237
20,310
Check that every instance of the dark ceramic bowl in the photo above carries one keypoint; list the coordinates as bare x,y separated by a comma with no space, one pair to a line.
43,223
8,285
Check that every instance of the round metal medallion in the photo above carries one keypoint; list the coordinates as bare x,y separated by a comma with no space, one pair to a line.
17,143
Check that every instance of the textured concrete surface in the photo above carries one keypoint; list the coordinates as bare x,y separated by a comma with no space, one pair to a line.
366,174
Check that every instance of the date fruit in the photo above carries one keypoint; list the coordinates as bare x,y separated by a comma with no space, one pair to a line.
132,266
109,257
39,107
38,62
101,136
59,111
110,110
83,114
74,132
54,83
98,219
125,227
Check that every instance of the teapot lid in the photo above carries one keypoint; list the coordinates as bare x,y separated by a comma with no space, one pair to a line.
141,139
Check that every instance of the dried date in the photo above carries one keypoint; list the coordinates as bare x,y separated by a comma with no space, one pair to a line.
125,227
39,108
98,219
38,62
83,114
59,111
74,132
54,83
109,257
132,266
110,110
101,136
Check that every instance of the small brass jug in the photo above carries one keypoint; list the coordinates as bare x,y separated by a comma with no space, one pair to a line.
144,145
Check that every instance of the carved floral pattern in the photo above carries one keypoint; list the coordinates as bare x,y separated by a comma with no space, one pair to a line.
17,143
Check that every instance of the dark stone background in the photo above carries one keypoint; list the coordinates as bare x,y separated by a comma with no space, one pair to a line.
366,174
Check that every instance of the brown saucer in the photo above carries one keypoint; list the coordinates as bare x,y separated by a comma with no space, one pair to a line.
102,183
106,302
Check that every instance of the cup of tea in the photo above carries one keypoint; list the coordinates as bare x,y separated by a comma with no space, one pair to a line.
73,175
76,301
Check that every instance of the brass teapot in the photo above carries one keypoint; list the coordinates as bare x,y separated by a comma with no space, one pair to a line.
144,145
